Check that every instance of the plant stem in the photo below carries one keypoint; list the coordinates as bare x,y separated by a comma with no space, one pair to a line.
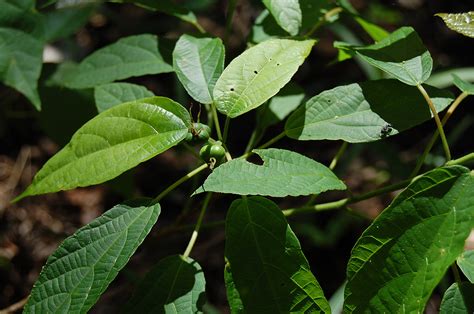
195,234
327,16
199,27
437,120
265,145
15,307
226,129
216,122
457,277
339,153
461,160
433,139
228,23
179,182
252,141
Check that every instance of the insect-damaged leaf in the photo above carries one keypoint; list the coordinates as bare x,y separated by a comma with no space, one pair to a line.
80,270
363,112
268,267
283,173
402,256
462,23
113,142
258,74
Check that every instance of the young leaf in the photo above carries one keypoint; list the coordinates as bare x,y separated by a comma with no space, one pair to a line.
113,142
283,173
463,85
80,270
280,106
466,263
198,63
233,297
458,299
109,95
21,59
258,74
462,23
402,55
268,267
287,14
130,56
363,112
174,285
395,265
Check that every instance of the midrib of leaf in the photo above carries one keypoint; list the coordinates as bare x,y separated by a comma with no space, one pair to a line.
255,77
172,286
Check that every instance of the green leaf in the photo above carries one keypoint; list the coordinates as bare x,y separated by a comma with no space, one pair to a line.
466,263
269,269
198,63
174,285
22,16
113,142
376,32
62,23
402,55
80,270
363,112
395,266
109,95
258,74
462,23
458,299
130,56
233,297
287,14
21,58
280,106
464,86
283,173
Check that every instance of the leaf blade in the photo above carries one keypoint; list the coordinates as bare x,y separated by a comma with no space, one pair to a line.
458,299
109,95
80,270
466,264
198,63
173,285
462,23
100,150
392,267
283,173
287,14
258,74
277,279
128,57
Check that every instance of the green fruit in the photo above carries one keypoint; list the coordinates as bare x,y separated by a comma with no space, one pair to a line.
198,132
209,151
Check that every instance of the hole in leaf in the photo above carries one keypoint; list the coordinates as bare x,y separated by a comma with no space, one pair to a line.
231,89
255,72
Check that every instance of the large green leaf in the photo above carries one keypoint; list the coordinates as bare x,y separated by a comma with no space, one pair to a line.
462,23
258,74
268,267
463,85
198,63
109,95
283,173
402,55
21,58
363,112
130,56
402,256
458,299
113,142
80,270
287,14
466,263
174,285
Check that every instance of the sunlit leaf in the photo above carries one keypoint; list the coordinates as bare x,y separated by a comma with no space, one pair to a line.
198,63
109,95
174,285
130,56
463,85
287,14
466,263
80,270
462,23
258,74
113,142
268,267
363,112
283,173
395,265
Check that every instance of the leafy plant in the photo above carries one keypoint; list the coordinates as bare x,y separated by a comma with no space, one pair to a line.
397,262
